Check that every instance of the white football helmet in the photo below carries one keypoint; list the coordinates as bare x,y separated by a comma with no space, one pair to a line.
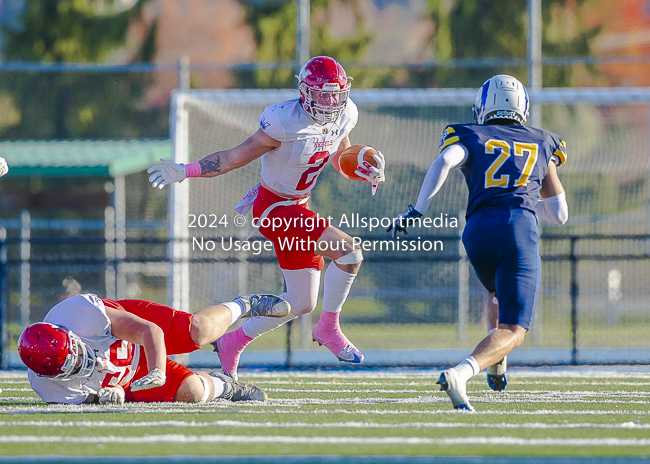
501,97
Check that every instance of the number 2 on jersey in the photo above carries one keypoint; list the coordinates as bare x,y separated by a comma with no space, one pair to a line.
309,176
521,149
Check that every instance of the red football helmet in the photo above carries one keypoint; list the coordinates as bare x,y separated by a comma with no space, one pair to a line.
56,352
324,89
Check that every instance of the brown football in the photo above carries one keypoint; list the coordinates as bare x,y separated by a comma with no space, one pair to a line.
346,162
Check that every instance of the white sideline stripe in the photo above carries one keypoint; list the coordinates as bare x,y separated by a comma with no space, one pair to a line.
179,439
630,425
155,408
439,398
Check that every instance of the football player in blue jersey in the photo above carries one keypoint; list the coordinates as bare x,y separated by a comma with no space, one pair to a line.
511,174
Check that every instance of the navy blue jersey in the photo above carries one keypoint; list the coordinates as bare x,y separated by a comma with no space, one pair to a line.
505,164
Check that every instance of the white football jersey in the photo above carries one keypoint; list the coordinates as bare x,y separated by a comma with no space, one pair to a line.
292,169
85,315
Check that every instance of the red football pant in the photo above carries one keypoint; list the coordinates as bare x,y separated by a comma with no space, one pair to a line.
176,327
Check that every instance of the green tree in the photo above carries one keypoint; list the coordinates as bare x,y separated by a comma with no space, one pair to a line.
489,29
274,26
64,105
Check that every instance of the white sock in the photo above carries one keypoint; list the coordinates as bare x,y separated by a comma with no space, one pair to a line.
467,368
336,287
219,387
257,326
302,294
235,309
491,331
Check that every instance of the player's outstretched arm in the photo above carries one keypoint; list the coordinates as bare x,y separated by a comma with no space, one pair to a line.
249,150
451,157
553,207
221,162
134,329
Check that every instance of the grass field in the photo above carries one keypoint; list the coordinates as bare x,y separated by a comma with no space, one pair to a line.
570,412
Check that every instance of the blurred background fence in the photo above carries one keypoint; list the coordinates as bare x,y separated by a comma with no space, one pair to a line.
421,309
85,96
413,307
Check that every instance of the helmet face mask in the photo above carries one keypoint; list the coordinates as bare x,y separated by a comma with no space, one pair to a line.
55,352
501,97
324,89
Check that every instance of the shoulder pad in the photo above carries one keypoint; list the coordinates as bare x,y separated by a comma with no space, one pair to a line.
271,124
449,137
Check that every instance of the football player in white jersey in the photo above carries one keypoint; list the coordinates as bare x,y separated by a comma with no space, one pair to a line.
295,140
93,350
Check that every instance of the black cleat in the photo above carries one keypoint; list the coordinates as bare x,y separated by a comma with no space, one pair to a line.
239,391
496,375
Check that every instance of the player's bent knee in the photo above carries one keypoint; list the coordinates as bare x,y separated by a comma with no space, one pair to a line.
200,331
192,390
299,310
354,257
520,334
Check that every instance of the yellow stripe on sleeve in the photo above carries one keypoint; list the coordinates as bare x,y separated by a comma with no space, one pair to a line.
449,141
561,155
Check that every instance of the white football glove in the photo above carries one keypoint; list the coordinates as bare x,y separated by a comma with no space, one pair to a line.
4,168
166,173
155,378
111,395
373,174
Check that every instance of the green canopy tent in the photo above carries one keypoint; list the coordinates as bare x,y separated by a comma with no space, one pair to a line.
111,160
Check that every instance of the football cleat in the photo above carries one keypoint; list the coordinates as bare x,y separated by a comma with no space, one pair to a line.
496,375
240,391
497,382
333,340
456,389
258,305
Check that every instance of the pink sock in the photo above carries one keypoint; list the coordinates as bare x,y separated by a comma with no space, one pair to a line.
230,346
329,320
328,332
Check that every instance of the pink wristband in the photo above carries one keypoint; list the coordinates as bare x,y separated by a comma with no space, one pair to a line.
193,170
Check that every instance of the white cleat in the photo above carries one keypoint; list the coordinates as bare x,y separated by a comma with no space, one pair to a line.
456,389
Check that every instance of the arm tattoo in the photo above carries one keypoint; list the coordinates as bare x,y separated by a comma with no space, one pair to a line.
208,166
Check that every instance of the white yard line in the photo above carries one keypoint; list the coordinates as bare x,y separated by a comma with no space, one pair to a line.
588,372
630,425
179,439
227,408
